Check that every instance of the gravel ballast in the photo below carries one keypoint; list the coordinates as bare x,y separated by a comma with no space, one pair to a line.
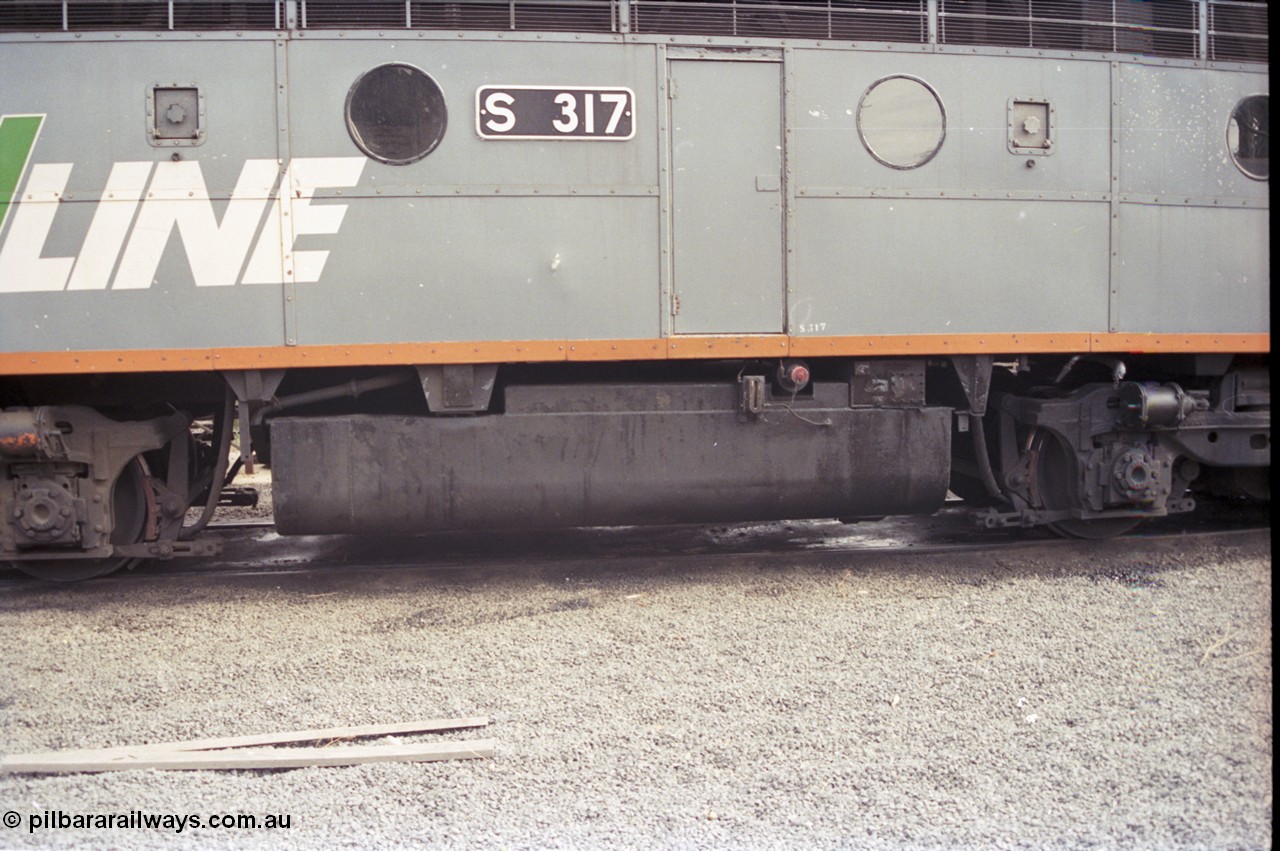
1105,695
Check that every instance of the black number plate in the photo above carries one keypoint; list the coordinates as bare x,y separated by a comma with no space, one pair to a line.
568,112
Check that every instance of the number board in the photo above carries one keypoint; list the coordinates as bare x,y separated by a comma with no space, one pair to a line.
567,112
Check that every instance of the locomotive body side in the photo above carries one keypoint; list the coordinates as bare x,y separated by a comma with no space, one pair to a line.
569,240
470,279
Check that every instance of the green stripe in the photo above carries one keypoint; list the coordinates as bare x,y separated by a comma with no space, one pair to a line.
17,137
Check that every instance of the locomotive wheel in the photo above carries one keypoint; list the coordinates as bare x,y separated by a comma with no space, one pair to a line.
129,505
1057,481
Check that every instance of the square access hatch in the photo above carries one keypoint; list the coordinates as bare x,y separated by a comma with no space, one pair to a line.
1031,128
175,115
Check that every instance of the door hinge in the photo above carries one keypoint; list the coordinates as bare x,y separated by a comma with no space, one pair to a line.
675,305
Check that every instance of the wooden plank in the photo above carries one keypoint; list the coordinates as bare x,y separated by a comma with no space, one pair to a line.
251,758
290,737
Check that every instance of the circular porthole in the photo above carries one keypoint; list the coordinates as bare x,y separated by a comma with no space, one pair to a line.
1248,135
396,113
901,121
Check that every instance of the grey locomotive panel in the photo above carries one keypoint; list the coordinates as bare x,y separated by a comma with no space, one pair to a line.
93,97
746,202
488,268
1193,229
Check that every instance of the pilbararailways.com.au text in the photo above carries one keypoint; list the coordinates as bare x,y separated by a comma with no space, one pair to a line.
49,820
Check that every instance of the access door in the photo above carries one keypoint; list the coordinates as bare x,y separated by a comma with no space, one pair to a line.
726,195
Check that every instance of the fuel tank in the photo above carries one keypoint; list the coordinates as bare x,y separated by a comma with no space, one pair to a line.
584,455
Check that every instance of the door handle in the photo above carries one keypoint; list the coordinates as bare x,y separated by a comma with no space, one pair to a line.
768,183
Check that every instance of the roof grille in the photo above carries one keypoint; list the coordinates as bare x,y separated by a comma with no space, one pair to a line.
1238,31
117,15
45,15
873,20
343,14
1158,29
570,16
30,17
245,14
465,15
542,15
1165,28
1233,30
581,16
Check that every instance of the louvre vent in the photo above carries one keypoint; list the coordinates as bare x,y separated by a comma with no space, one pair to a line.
42,15
30,17
871,20
1238,31
541,15
246,15
582,16
874,21
465,15
1165,28
1158,29
117,15
343,14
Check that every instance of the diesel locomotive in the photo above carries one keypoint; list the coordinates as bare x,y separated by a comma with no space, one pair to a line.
515,263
